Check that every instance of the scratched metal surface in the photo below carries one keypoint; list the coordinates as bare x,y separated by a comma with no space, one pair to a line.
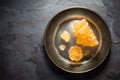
22,53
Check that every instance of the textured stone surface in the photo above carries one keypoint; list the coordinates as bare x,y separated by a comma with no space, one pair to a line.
22,53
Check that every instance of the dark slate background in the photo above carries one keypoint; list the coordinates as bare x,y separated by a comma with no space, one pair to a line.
22,53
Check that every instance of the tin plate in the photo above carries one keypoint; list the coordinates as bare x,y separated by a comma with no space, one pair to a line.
62,22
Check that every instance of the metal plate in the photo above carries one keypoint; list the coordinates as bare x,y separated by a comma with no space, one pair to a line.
61,22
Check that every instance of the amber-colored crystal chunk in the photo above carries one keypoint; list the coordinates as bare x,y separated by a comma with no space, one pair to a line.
84,34
75,53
